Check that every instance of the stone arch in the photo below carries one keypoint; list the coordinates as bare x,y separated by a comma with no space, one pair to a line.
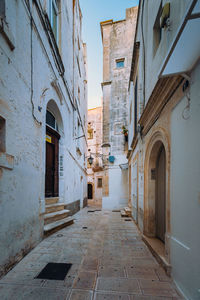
54,153
158,139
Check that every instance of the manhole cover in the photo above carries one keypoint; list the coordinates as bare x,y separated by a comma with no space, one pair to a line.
54,271
59,235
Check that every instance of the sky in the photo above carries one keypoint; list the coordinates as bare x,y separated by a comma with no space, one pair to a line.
94,12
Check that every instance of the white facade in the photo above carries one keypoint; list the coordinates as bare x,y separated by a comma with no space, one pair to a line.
164,114
38,74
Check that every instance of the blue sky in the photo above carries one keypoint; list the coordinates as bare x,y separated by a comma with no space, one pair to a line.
94,12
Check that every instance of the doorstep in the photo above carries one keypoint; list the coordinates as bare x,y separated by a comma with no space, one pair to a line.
157,248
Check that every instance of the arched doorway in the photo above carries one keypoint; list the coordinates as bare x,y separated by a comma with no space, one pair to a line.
53,129
160,193
90,191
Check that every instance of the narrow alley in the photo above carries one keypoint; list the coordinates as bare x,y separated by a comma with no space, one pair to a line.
108,260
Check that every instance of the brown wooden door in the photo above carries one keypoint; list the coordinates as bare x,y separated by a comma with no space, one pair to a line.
51,175
161,195
50,170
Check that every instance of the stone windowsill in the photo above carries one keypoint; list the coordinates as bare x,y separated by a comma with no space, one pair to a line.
4,29
6,161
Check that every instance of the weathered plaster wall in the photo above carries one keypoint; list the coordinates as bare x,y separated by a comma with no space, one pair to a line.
22,185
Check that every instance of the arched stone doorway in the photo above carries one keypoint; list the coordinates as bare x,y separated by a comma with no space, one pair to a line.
156,189
54,128
90,191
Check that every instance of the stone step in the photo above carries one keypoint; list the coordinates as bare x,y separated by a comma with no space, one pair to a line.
123,213
57,225
51,200
128,211
55,216
54,207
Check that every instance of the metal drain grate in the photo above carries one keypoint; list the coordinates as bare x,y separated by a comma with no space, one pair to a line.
54,271
127,220
84,227
91,211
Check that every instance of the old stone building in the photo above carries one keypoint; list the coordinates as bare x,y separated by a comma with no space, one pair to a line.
95,170
164,144
117,38
43,118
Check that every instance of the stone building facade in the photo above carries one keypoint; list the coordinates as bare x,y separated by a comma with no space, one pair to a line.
164,144
95,170
43,114
117,38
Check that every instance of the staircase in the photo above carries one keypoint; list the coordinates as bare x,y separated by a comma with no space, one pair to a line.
56,216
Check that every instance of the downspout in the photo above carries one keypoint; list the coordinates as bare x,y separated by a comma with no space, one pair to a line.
31,46
74,2
142,30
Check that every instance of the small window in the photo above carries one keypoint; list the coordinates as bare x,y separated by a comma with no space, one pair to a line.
99,183
120,63
2,134
90,134
79,95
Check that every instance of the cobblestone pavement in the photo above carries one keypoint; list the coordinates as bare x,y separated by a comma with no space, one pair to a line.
109,261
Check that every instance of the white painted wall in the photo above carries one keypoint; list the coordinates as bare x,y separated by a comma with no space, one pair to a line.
22,187
185,192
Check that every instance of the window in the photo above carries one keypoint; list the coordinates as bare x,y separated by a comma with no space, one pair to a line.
2,9
51,121
157,30
2,135
79,95
99,183
53,16
120,63
90,134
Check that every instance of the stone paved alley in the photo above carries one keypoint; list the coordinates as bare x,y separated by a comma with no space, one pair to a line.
109,261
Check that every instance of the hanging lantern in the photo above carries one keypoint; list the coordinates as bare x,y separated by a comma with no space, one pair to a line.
90,160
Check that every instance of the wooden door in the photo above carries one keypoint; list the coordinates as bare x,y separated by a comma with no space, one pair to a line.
50,170
52,175
161,195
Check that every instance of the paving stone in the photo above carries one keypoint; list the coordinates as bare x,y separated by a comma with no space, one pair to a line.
90,264
139,297
157,288
14,292
162,275
109,296
85,280
141,272
81,295
111,271
125,285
